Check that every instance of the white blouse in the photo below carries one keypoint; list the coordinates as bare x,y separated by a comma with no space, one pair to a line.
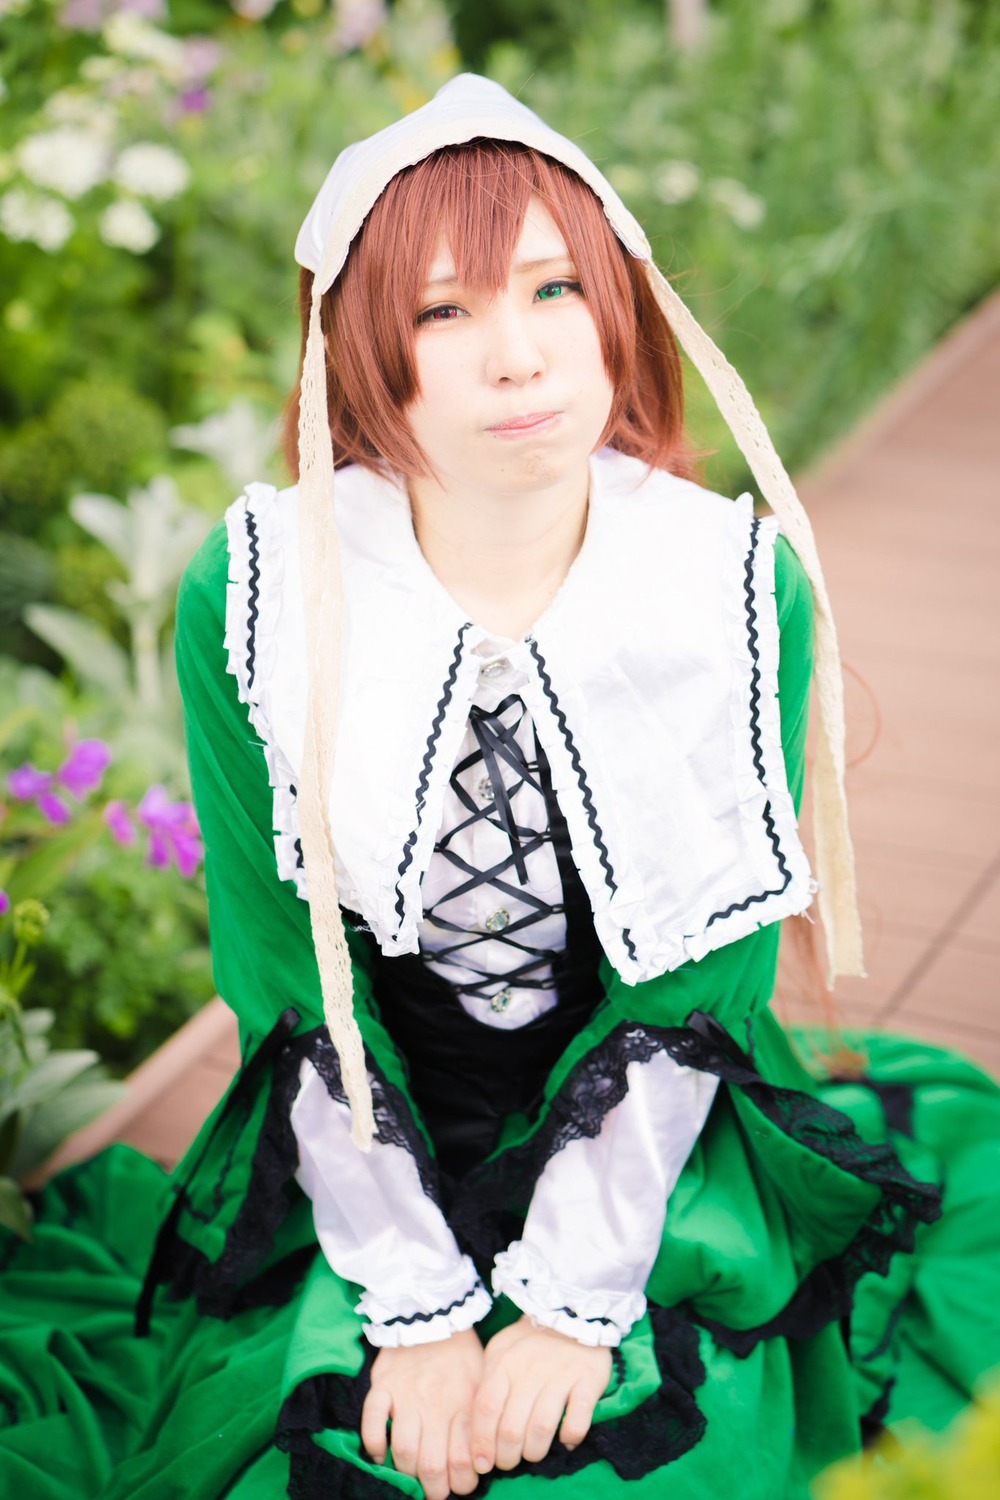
685,582
597,1213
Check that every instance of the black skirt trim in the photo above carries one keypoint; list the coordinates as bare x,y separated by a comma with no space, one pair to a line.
242,1275
662,1428
490,1203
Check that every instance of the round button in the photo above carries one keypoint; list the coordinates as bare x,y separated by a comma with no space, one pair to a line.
497,920
485,789
495,668
500,1001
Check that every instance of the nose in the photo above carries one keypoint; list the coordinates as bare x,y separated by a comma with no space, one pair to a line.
513,354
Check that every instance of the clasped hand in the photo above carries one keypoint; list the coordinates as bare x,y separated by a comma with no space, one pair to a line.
459,1410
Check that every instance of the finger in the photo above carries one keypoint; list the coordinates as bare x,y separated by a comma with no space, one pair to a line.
487,1409
461,1474
541,1426
511,1431
374,1420
432,1463
579,1415
405,1441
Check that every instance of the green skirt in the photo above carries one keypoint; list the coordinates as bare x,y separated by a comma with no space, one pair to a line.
807,1292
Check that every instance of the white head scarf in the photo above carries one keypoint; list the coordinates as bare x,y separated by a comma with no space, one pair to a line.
470,108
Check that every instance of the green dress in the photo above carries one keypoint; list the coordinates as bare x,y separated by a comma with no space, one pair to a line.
807,1290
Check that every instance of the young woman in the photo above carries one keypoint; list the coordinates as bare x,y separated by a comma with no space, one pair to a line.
497,740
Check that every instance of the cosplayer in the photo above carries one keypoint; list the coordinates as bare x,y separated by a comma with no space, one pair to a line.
496,724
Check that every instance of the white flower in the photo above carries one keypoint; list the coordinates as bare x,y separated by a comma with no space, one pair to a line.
356,22
152,171
130,36
236,438
68,160
128,226
79,107
25,215
746,209
677,182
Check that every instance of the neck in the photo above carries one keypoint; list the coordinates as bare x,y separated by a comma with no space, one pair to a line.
501,557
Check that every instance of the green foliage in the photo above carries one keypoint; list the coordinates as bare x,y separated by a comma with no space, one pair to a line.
823,180
44,1095
961,1465
126,960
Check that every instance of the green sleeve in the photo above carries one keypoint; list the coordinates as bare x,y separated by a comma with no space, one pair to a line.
262,948
734,982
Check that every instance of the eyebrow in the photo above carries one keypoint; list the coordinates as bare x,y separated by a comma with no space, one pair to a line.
519,266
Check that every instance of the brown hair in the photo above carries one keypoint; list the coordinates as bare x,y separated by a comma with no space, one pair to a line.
478,194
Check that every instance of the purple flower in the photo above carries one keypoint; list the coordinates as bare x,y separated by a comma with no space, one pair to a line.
194,101
84,768
173,831
117,818
4,903
53,808
28,782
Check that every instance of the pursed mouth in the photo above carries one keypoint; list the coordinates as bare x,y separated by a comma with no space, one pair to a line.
527,422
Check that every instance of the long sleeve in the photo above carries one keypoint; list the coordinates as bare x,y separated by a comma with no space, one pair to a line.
596,1217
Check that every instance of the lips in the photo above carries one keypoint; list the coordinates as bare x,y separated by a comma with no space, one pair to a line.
526,422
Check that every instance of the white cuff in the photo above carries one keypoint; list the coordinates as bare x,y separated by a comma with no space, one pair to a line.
436,1313
378,1228
596,1317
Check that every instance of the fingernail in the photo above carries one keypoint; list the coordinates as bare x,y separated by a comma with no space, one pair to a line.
570,1447
481,1465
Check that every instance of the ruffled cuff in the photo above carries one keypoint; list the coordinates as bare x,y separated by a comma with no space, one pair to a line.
596,1317
434,1313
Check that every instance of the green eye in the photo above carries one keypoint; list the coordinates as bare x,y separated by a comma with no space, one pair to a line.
553,290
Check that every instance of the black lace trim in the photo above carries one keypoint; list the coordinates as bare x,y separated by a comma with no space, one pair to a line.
489,1204
428,761
758,754
442,1312
581,776
253,594
662,1428
235,1280
827,1292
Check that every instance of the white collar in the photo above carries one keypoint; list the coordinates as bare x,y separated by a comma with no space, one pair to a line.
651,679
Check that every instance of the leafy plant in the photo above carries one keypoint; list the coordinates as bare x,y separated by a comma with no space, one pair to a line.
152,537
44,1095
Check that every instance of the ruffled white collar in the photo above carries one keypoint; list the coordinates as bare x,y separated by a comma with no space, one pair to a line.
651,679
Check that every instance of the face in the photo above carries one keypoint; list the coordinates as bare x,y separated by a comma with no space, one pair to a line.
514,395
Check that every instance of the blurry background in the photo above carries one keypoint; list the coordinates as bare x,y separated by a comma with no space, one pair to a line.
821,176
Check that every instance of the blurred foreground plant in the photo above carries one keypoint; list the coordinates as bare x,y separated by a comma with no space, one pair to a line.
45,1095
961,1464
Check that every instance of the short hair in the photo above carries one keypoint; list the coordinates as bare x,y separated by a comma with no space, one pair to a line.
478,194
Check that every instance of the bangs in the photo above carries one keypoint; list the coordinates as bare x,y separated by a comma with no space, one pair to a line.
475,197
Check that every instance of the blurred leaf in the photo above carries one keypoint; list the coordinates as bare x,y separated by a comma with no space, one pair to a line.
59,1117
15,1211
94,658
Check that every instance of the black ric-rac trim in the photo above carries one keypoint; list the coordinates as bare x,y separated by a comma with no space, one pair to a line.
581,776
758,754
253,595
428,761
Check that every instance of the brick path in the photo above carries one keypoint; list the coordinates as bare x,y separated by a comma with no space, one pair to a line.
907,513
